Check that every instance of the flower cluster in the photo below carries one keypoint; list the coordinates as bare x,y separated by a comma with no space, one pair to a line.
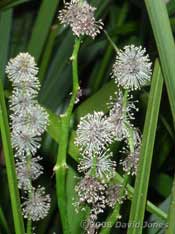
79,15
132,68
97,131
28,122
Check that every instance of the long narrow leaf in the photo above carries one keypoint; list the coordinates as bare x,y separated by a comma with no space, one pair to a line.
165,44
144,167
41,27
5,28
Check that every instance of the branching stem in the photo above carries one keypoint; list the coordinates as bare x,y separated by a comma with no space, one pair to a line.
61,166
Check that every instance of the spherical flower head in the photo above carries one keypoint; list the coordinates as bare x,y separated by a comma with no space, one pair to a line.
34,118
22,68
93,133
132,68
25,142
79,15
105,167
91,192
20,102
113,194
28,171
37,206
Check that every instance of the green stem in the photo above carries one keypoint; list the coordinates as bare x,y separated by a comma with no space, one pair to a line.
171,222
10,165
29,226
111,42
61,166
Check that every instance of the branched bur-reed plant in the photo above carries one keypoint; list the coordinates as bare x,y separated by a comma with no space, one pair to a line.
28,122
97,131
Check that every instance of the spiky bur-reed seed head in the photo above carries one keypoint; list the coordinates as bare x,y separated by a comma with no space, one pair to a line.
132,68
120,115
37,205
79,15
114,195
28,172
28,122
93,133
92,192
105,167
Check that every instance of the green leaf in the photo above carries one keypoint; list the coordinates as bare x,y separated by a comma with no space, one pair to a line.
5,4
165,44
144,167
41,27
58,77
5,28
162,183
171,213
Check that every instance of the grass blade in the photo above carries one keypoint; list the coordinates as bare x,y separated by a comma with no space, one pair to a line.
41,27
165,44
11,3
5,28
171,223
10,165
48,51
143,174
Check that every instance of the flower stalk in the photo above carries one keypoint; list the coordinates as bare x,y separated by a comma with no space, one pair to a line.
61,165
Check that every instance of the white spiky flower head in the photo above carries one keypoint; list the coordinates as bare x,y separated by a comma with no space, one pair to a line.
93,133
37,206
25,142
104,166
20,102
34,120
22,68
132,68
79,15
28,171
90,191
